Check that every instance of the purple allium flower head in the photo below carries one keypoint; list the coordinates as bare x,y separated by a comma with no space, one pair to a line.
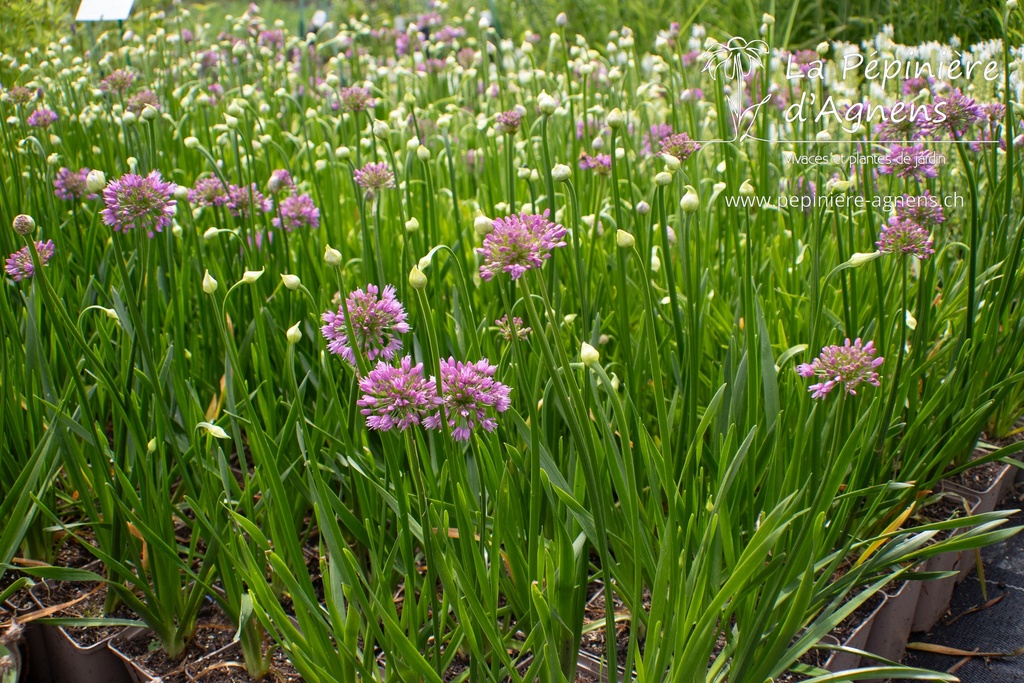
374,177
139,202
912,86
42,118
908,162
70,185
600,163
994,112
19,264
140,100
280,181
376,323
960,112
913,124
508,122
355,99
298,211
847,366
467,391
518,244
209,191
923,209
514,329
904,236
187,36
273,39
242,202
679,145
396,397
118,81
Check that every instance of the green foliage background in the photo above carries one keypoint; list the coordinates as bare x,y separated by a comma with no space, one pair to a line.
33,22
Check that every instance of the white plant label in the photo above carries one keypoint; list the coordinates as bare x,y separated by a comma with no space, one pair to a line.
104,10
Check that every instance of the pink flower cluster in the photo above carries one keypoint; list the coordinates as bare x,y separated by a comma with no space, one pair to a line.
845,366
399,396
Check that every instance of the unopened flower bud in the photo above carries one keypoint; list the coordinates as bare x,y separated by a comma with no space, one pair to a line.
589,355
422,153
251,276
671,163
643,208
191,142
412,225
560,173
483,225
95,181
417,279
547,104
690,201
381,130
746,189
624,239
822,48
290,281
663,178
616,118
294,334
332,256
209,284
24,224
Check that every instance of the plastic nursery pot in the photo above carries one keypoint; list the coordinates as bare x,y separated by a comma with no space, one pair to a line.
857,639
935,595
993,494
66,660
589,667
137,673
889,634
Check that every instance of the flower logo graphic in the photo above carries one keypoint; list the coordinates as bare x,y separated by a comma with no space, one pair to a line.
735,60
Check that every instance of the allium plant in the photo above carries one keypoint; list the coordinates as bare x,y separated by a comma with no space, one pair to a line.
374,177
679,145
924,209
135,202
396,397
845,367
19,265
70,185
904,236
912,161
377,321
468,392
42,118
243,202
514,329
519,243
298,212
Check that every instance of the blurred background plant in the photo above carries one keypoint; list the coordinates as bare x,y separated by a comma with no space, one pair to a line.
807,22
